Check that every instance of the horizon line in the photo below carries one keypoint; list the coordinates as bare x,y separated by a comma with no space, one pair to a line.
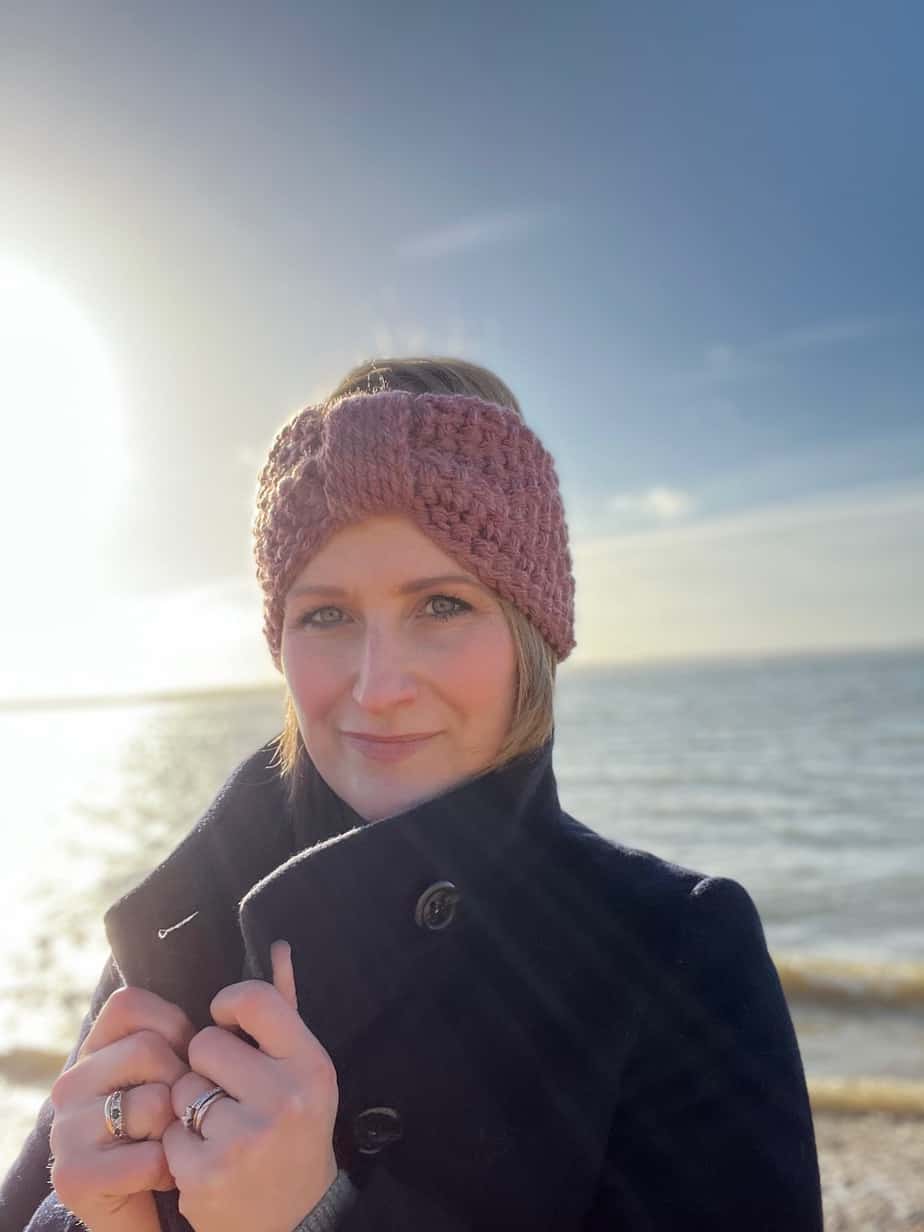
212,691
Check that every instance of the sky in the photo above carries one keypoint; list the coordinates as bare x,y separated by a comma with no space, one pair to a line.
688,237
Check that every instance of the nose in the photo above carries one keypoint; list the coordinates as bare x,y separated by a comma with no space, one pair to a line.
383,678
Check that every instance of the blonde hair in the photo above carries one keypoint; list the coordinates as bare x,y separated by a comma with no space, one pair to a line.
533,719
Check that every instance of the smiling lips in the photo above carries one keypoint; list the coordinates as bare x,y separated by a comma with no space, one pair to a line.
388,748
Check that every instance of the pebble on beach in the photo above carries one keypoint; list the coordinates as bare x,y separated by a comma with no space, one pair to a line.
872,1171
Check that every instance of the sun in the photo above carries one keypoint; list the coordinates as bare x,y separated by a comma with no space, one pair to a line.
63,460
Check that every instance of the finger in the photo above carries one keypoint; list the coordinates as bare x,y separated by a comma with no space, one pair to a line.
264,1014
129,1062
146,1112
132,1169
183,1151
135,1009
225,1060
284,973
222,1115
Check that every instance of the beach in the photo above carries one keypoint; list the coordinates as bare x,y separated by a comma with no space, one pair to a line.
871,1171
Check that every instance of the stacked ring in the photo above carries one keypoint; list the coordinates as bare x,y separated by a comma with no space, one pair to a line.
195,1112
112,1111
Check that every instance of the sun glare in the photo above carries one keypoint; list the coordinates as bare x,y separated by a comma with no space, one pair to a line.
62,452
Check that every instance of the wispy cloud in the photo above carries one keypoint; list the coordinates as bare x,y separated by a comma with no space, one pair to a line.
825,334
860,504
479,231
660,503
723,360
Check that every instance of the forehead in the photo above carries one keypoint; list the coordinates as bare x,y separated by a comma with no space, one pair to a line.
378,550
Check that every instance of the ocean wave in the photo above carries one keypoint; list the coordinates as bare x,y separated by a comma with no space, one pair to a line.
898,1096
806,977
31,1066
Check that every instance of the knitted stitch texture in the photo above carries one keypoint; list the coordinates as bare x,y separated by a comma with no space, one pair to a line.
470,474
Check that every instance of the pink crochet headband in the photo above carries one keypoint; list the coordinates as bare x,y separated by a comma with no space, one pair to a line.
469,473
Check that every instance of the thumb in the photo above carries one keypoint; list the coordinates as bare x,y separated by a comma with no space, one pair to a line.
283,972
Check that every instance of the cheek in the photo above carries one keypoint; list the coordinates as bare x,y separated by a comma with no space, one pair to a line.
485,675
315,681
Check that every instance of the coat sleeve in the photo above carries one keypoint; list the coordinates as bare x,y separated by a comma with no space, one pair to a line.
712,1127
27,1201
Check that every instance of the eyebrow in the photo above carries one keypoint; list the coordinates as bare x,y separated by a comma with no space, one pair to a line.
408,588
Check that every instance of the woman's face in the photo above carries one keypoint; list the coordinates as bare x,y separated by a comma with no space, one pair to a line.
378,641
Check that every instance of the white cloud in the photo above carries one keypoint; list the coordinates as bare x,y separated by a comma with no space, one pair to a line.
724,361
662,503
480,231
824,334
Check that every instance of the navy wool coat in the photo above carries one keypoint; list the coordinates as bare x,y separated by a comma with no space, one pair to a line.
533,1027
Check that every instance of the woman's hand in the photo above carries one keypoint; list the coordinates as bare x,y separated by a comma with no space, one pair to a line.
137,1043
265,1156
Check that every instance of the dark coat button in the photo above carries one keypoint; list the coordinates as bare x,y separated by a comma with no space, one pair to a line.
376,1128
436,907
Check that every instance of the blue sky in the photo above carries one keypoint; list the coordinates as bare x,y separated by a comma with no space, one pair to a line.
687,236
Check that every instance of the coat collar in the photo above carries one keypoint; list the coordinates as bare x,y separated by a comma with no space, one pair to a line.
347,905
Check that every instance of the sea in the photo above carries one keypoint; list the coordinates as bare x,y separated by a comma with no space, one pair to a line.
800,777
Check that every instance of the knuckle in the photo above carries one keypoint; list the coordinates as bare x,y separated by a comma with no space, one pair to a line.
202,1044
294,1105
122,999
60,1090
124,1006
153,1110
257,992
150,1048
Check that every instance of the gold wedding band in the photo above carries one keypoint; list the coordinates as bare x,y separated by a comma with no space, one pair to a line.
195,1112
112,1111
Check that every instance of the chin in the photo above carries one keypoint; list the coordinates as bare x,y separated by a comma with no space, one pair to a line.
376,805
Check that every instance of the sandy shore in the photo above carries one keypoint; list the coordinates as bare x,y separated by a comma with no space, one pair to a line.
872,1171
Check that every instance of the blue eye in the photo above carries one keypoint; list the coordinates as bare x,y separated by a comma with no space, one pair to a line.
308,617
460,606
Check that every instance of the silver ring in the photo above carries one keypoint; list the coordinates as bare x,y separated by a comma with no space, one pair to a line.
195,1112
112,1111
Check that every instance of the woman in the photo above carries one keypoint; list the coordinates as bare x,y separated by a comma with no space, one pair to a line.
386,982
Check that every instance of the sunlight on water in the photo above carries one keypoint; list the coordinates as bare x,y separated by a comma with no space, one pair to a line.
63,774
98,795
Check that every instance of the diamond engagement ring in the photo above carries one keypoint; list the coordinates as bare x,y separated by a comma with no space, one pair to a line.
195,1112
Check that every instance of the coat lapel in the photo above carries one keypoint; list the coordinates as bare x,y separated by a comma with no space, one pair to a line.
354,908
348,905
